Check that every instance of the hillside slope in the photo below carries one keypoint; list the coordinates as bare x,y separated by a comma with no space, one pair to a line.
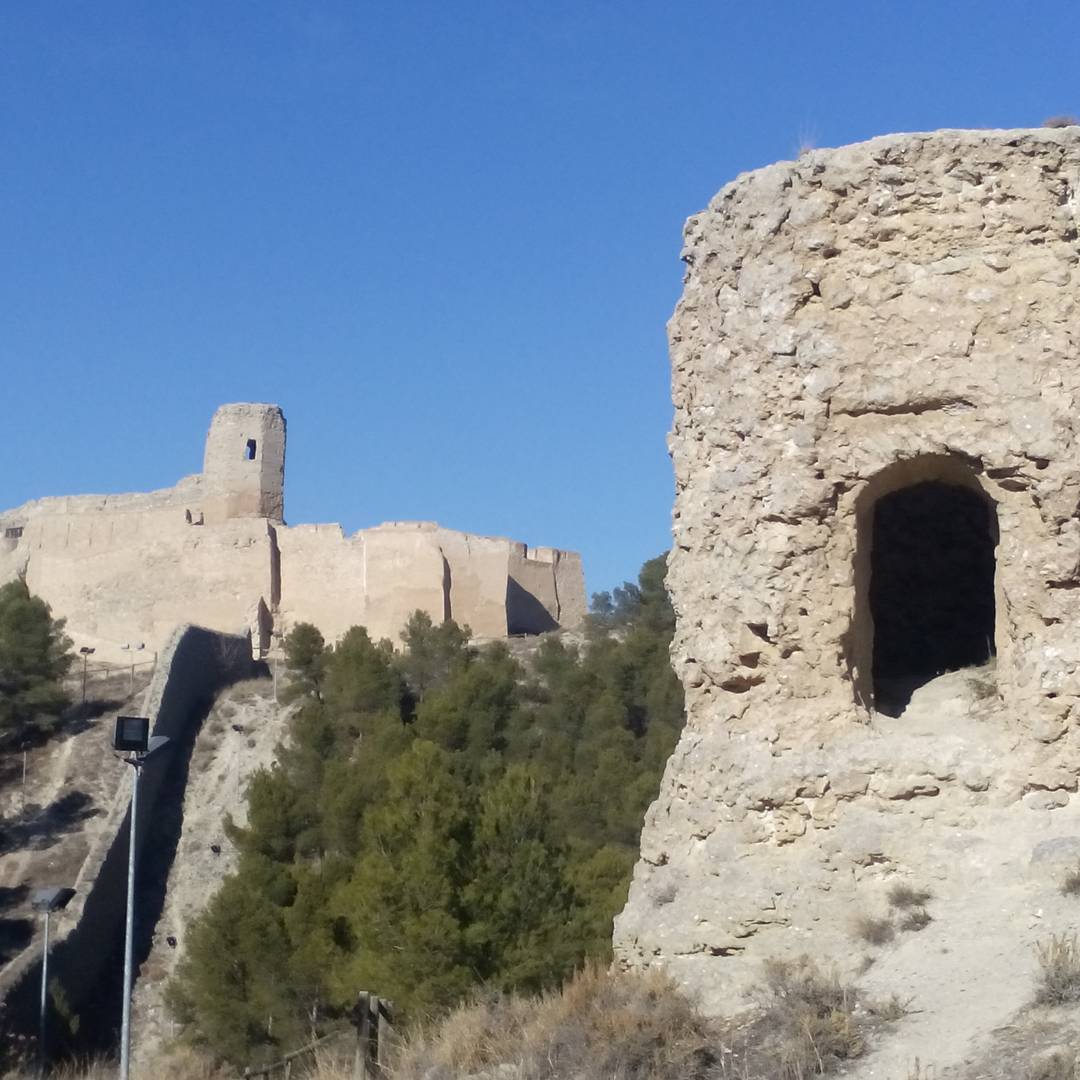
237,738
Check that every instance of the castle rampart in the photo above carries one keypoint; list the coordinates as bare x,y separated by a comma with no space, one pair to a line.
124,570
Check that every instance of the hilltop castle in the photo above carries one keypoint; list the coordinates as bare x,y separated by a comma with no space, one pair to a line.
214,550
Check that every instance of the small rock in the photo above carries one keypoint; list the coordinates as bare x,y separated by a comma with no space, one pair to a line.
1046,800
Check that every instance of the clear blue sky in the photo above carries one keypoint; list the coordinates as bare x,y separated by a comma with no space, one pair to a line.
444,236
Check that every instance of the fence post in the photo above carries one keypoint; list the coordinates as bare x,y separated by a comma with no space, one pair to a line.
384,1018
363,1036
373,1044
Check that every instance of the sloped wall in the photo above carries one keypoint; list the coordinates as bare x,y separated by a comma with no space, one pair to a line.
86,959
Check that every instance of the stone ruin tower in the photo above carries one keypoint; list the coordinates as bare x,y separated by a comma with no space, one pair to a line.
876,561
244,463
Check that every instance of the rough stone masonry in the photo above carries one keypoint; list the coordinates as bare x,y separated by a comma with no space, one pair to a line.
126,570
876,379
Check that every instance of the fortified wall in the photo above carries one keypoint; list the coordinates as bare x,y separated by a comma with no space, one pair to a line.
214,550
876,378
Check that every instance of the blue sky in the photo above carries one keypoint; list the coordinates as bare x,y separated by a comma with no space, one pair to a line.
443,236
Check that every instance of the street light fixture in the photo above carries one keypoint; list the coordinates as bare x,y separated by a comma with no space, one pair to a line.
132,737
46,901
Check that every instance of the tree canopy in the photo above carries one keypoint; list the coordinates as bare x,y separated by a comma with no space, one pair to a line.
438,818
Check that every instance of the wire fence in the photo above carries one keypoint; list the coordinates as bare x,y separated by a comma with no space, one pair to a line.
90,678
283,1066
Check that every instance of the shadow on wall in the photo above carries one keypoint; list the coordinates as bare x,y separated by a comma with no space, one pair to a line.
524,613
86,966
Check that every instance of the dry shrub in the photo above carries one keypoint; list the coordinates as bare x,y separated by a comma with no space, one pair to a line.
903,896
1071,885
807,1023
915,920
1056,1065
1059,958
246,691
892,1008
620,1026
1061,122
872,930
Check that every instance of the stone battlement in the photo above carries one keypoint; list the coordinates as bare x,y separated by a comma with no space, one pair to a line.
215,551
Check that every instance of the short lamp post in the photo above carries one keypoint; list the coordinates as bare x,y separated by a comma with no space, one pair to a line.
46,901
132,737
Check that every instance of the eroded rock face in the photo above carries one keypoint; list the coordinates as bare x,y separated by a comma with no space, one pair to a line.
898,316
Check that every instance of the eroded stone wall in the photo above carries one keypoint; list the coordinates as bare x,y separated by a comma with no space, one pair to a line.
857,321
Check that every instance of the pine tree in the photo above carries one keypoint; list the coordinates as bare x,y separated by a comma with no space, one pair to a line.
34,658
521,906
437,820
403,901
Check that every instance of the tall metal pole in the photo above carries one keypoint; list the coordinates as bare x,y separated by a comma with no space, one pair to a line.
129,928
44,1005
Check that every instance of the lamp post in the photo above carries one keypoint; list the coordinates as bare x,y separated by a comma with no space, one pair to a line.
132,737
46,901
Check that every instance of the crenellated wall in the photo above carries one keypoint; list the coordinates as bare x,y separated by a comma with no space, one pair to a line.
124,570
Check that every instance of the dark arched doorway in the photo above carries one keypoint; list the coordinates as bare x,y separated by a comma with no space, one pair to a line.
931,586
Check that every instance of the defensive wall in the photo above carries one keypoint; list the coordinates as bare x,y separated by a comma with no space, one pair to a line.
214,550
86,954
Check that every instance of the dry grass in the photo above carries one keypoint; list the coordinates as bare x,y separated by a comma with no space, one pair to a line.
617,1026
904,896
808,1024
640,1027
178,1063
874,931
1057,1065
1059,958
1060,122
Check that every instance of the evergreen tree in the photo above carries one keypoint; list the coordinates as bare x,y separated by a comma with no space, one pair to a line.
521,907
403,900
438,819
432,653
234,986
305,650
34,658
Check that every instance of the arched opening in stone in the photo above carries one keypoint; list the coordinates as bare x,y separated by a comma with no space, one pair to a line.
924,578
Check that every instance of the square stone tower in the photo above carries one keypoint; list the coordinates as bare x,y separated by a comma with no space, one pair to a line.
244,464
876,561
